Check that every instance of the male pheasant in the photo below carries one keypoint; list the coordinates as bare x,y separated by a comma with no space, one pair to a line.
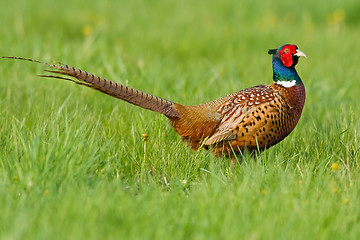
255,118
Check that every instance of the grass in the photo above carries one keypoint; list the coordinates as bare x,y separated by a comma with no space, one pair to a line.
73,164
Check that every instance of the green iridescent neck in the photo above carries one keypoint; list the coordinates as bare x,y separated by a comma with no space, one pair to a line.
284,74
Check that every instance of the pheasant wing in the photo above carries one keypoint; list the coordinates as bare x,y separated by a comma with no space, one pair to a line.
236,109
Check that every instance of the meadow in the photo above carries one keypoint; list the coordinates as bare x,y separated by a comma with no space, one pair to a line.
74,164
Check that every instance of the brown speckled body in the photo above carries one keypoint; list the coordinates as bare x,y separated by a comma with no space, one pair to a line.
274,114
255,118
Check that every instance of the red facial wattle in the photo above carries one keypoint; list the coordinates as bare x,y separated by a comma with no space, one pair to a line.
286,54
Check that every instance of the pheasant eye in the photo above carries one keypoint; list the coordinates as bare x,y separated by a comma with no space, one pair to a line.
286,50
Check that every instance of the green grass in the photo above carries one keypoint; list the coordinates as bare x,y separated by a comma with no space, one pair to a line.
73,164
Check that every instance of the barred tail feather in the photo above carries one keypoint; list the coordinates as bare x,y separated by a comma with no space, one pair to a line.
108,87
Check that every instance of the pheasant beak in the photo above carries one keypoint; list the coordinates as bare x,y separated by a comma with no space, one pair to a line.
300,53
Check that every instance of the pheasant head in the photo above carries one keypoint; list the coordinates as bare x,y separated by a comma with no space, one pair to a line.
284,60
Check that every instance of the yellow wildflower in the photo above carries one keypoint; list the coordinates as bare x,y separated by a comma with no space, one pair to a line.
335,167
144,137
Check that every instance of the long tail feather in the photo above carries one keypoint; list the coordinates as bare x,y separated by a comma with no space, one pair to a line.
113,89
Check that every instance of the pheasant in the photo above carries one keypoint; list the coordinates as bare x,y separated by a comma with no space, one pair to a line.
255,118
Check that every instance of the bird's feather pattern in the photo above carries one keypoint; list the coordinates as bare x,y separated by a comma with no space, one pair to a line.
236,109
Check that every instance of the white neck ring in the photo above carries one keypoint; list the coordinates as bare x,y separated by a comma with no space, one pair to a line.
286,84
